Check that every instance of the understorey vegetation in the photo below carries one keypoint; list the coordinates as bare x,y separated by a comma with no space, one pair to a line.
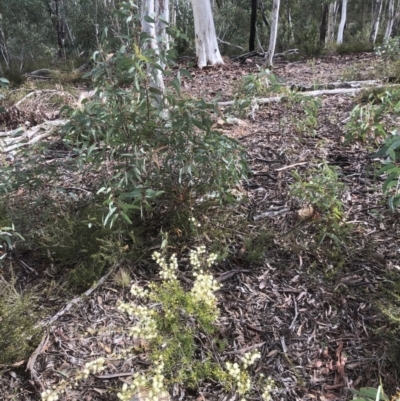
221,233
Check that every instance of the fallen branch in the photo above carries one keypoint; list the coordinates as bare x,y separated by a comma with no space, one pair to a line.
271,213
78,299
337,85
45,339
39,92
30,136
251,54
229,44
277,99
43,71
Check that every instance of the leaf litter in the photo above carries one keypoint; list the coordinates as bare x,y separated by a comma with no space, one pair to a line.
314,319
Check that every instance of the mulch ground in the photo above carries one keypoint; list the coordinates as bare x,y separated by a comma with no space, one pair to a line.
316,324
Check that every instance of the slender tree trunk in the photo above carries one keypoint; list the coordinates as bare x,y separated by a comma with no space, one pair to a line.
59,24
375,21
162,13
274,31
331,22
207,50
253,22
390,22
149,9
324,24
289,19
342,22
174,6
395,28
4,48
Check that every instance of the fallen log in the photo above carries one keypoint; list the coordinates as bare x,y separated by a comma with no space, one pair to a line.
18,138
277,99
251,54
336,85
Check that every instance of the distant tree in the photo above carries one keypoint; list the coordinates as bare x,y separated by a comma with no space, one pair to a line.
375,20
391,19
149,18
342,22
324,24
274,31
207,50
253,27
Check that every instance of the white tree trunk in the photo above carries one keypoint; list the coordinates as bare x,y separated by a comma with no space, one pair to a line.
274,31
376,19
149,9
390,21
162,12
342,22
207,50
333,8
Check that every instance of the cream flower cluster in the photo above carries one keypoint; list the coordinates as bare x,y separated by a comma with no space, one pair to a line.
249,358
150,386
194,222
241,378
269,386
138,291
168,270
204,287
95,366
52,395
197,257
146,328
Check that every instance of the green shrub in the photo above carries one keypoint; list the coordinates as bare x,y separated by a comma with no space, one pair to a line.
18,332
353,47
390,50
370,121
159,152
168,320
391,152
320,190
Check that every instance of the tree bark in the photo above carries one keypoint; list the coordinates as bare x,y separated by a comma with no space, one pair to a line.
390,22
274,31
324,24
162,12
333,8
149,9
342,22
375,21
253,21
207,50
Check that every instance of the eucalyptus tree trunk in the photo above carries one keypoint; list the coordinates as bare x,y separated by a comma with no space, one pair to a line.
390,22
324,24
149,10
253,22
342,22
333,8
207,50
274,32
375,20
4,49
162,22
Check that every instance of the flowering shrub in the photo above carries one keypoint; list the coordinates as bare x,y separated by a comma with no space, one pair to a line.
168,319
389,50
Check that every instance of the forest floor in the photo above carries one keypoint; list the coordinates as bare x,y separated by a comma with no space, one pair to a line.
316,312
